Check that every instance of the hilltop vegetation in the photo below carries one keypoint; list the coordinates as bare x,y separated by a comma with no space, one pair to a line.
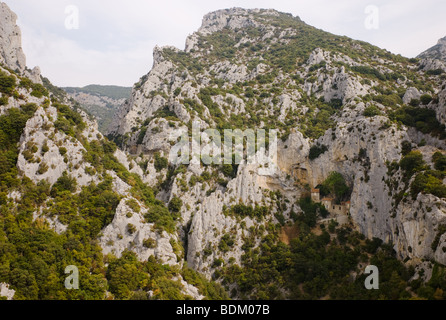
113,92
100,101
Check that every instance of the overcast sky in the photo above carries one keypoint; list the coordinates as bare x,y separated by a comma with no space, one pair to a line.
114,40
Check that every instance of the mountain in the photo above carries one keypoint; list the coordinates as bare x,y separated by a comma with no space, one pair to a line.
100,101
70,200
348,114
436,52
433,60
340,165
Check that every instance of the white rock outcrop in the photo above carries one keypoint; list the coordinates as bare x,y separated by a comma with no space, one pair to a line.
6,292
129,231
11,53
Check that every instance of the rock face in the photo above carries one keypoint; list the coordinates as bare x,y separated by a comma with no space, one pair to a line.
6,292
80,175
119,236
11,53
312,107
358,145
436,52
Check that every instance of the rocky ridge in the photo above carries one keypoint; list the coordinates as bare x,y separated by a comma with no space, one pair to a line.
60,142
436,52
353,75
338,105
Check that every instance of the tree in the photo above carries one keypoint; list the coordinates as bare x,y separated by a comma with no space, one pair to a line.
426,99
316,151
412,163
371,111
439,160
335,184
175,205
64,183
160,162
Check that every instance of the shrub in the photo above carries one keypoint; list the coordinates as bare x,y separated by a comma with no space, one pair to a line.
440,232
390,100
366,70
424,120
317,150
244,211
439,161
141,135
429,182
43,168
226,242
406,147
38,90
217,263
131,228
133,204
62,151
45,147
414,102
411,163
64,183
149,243
175,205
160,162
426,99
371,111
160,216
4,100
7,83
435,72
229,170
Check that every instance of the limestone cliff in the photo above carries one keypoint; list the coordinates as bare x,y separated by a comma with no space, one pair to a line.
436,52
11,53
232,75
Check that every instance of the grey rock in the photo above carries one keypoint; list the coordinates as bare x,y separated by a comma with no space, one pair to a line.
11,53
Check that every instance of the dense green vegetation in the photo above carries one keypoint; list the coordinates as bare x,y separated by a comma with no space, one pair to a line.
310,211
315,267
335,185
316,150
241,210
114,92
320,267
33,257
7,83
69,121
422,119
11,127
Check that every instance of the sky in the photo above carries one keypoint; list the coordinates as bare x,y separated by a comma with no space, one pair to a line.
82,42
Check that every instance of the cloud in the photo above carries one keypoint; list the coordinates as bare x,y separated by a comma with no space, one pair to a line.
66,63
115,40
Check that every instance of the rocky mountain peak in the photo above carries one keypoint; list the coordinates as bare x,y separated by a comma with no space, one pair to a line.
234,18
436,52
11,53
442,41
